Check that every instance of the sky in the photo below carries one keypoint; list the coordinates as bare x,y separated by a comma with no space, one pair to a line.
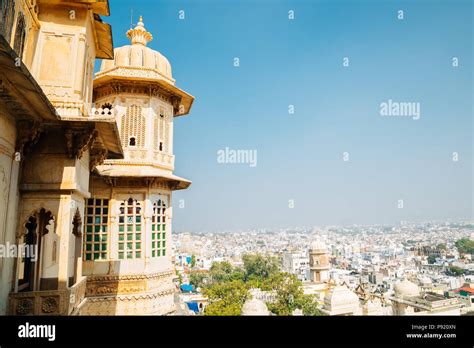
336,160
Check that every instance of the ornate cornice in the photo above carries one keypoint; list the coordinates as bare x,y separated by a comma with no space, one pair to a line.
129,277
133,297
128,87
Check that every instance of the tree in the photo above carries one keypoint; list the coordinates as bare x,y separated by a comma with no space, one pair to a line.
193,261
199,279
290,295
309,306
465,246
258,268
226,298
224,271
180,278
456,270
441,246
431,259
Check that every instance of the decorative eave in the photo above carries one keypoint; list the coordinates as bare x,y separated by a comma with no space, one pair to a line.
19,91
101,7
182,101
104,127
148,173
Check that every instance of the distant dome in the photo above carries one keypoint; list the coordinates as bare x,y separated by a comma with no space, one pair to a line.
318,244
138,57
339,296
254,306
426,281
340,300
406,288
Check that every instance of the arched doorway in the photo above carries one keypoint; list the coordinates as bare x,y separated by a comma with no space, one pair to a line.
29,274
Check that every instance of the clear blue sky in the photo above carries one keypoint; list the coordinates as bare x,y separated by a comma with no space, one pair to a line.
299,62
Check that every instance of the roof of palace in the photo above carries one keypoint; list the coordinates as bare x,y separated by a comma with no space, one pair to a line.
139,56
138,63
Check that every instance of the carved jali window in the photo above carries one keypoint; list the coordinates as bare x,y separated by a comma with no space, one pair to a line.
161,131
133,125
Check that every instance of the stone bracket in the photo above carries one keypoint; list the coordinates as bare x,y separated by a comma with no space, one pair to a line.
28,135
78,142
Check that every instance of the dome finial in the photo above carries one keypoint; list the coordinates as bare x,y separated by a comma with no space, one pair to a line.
139,35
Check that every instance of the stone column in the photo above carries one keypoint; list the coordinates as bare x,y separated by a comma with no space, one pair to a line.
146,229
114,207
169,228
64,231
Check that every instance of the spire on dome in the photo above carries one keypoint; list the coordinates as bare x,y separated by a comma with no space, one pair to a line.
139,35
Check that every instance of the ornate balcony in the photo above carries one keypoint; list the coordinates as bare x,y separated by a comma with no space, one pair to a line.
49,302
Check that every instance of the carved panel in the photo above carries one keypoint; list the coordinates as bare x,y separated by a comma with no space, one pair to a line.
50,305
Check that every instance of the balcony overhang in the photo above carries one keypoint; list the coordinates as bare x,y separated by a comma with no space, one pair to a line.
182,101
20,94
106,127
144,172
101,7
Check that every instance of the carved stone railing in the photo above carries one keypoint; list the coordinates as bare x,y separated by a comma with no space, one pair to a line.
163,158
144,155
69,109
49,302
102,112
80,109
77,294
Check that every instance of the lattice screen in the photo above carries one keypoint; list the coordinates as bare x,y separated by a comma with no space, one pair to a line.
133,126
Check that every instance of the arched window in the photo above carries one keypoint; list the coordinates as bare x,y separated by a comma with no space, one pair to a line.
133,125
161,129
35,229
107,106
19,42
95,239
130,230
158,229
132,141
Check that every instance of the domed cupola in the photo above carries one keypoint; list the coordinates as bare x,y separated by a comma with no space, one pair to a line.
138,90
137,59
406,289
139,35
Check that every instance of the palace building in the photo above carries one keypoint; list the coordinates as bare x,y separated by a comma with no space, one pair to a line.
86,165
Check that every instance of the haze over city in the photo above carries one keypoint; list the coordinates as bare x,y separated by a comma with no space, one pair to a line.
300,63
